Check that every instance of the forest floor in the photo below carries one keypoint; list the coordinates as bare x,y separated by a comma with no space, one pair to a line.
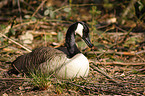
117,63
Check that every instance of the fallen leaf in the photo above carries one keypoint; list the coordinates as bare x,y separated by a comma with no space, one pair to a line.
27,38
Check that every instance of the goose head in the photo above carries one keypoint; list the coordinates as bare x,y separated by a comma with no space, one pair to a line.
82,30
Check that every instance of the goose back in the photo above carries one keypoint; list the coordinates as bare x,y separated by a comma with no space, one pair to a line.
43,57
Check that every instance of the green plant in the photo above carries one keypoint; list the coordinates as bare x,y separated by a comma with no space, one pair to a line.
49,11
94,13
40,80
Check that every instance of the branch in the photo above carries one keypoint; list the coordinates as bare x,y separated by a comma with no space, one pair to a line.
120,63
19,8
95,67
6,31
128,8
31,7
16,43
6,79
39,7
119,53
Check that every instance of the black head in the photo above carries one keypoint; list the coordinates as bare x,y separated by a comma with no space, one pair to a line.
83,31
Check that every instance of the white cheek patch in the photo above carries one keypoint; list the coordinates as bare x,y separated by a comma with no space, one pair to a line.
79,29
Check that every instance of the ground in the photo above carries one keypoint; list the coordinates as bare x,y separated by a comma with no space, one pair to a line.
117,62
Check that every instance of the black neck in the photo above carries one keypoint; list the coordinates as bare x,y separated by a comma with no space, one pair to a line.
70,41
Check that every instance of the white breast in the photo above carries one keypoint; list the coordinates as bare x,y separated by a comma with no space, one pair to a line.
74,67
66,68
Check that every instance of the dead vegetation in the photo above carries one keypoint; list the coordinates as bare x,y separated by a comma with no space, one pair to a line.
117,63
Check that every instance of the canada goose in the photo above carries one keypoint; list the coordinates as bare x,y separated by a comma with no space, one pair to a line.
49,60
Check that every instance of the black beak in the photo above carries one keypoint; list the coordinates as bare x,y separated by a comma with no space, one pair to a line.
87,41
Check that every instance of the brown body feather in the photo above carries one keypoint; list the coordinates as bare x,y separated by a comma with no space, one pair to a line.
38,58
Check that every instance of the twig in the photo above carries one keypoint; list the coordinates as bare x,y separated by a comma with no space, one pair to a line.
77,5
6,31
95,67
8,88
120,29
140,57
31,22
124,14
16,43
61,8
120,63
28,4
39,7
93,88
60,44
119,53
14,79
124,39
41,33
31,7
143,51
121,33
128,8
36,25
27,23
1,69
20,10
100,27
